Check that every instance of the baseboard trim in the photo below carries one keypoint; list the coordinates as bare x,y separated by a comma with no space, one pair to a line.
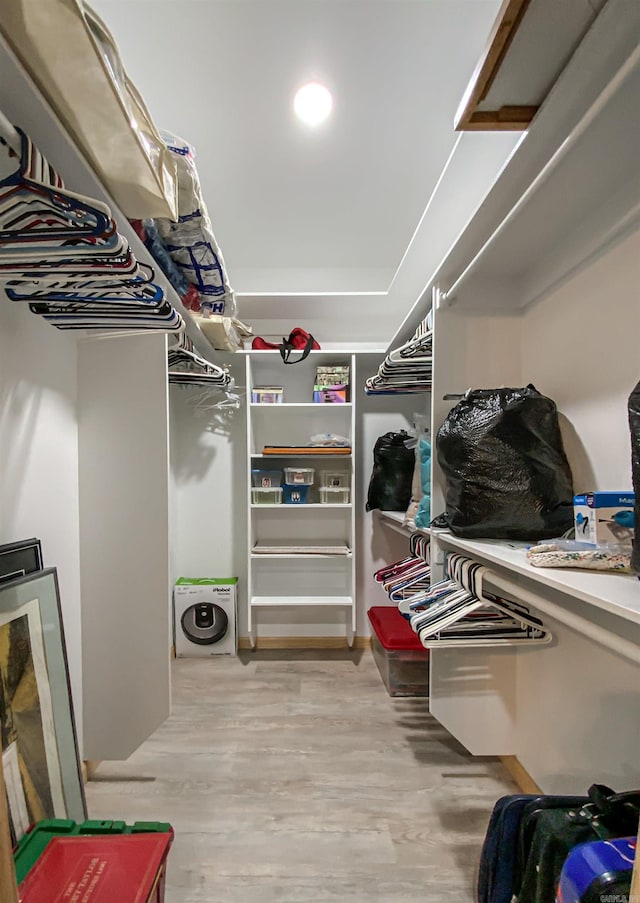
304,642
89,768
520,775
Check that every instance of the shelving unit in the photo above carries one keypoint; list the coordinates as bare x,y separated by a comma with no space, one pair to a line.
305,581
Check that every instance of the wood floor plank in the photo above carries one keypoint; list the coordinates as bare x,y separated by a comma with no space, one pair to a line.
292,777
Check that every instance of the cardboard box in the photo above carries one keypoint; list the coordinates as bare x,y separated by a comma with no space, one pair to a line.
604,517
330,394
217,591
267,395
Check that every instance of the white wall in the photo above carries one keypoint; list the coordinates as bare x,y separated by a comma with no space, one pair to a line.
580,347
208,472
39,457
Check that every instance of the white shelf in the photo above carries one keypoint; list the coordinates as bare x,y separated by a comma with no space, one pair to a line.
301,404
279,601
305,505
618,594
326,457
311,556
23,104
396,517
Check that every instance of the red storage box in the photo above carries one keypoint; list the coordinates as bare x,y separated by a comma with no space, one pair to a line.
128,868
402,660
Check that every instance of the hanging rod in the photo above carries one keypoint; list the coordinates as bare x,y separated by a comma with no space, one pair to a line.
616,644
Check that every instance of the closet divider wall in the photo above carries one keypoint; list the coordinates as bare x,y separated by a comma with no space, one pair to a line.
104,463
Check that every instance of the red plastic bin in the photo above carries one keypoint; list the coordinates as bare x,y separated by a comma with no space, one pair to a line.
127,868
402,660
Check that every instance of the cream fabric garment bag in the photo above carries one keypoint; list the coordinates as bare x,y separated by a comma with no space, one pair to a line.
73,59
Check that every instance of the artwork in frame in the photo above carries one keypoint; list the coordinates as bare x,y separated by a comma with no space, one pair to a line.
37,729
20,558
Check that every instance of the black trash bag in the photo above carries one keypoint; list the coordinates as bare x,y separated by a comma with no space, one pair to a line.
392,474
634,426
507,476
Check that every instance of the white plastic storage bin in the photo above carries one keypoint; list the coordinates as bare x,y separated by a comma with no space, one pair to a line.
266,479
330,495
334,479
271,496
299,476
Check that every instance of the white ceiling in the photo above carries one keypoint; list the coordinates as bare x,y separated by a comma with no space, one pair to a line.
294,210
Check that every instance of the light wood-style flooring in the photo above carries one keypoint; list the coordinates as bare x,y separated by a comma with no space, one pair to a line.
292,777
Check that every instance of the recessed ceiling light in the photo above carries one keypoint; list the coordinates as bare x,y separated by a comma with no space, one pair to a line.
313,103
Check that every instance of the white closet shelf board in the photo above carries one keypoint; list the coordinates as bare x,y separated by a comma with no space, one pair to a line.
333,348
294,556
24,105
569,190
513,77
327,458
395,520
302,404
305,505
320,601
618,594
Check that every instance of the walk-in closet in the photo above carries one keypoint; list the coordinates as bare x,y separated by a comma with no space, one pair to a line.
319,451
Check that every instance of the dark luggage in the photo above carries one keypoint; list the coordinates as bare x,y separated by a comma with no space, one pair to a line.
529,838
529,823
607,815
593,870
496,875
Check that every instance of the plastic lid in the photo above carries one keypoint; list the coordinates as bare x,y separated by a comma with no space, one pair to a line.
393,631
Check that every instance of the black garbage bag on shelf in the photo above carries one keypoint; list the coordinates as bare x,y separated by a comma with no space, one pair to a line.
507,476
634,426
392,474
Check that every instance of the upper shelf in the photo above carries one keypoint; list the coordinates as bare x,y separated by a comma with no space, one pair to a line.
569,190
513,77
23,104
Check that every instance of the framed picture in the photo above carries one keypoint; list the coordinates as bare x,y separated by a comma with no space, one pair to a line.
37,728
20,558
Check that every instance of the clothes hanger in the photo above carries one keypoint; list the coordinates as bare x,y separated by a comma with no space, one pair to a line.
479,619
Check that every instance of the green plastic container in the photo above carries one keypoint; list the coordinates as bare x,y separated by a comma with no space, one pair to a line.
32,845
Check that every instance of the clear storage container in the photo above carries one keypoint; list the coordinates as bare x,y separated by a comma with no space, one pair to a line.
299,476
271,496
334,496
266,479
295,495
334,479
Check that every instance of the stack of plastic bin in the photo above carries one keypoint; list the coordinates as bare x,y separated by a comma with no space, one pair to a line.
297,481
267,488
105,859
334,487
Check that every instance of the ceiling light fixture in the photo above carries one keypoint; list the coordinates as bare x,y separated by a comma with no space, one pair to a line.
312,104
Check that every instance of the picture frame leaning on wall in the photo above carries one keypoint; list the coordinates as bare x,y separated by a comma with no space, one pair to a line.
38,736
